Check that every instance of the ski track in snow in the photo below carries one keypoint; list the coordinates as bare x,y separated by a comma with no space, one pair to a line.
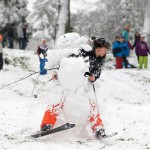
123,98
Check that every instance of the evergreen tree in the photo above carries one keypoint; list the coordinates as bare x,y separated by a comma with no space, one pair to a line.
12,12
43,18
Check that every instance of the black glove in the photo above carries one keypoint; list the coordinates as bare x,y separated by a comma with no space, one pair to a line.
87,74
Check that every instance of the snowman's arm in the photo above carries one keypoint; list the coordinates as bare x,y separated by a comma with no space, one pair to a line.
84,53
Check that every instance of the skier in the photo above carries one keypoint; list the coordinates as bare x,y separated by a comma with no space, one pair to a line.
1,53
81,107
42,53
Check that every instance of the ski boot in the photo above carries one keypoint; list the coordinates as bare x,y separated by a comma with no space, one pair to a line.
47,127
100,133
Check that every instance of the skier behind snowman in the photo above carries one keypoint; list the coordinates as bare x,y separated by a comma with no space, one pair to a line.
76,104
42,53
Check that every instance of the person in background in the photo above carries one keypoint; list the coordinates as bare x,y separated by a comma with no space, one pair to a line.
25,40
10,35
1,53
42,53
142,51
20,35
136,40
117,52
3,32
125,51
125,34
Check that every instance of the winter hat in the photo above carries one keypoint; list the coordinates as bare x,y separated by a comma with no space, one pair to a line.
117,37
1,38
101,43
142,36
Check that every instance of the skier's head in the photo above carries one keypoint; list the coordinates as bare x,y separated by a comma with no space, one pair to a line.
44,42
101,47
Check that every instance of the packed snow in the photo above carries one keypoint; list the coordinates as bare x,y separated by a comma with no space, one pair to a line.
123,98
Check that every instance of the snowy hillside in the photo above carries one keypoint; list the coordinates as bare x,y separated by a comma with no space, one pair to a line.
123,98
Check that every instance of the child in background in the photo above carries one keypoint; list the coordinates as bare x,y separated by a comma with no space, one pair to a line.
117,52
125,51
142,51
42,53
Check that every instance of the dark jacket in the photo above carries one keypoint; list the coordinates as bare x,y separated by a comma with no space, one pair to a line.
94,62
42,49
10,32
142,49
24,34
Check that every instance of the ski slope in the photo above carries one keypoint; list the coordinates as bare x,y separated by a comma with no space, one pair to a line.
123,98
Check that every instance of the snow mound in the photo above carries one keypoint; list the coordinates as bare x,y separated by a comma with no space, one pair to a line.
72,76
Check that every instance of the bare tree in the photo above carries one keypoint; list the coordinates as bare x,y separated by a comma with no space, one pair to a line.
146,27
64,18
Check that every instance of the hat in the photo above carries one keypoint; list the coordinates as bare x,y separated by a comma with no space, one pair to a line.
142,35
101,43
122,37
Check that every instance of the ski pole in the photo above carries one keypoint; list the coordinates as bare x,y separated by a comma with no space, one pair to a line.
87,74
95,97
36,95
25,78
18,80
35,85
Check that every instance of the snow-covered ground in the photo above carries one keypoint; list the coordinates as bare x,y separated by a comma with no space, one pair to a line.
123,97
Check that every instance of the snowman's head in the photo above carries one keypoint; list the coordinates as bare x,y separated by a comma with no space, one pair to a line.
71,40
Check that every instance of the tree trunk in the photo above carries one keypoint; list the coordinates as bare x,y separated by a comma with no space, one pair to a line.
63,18
146,27
68,18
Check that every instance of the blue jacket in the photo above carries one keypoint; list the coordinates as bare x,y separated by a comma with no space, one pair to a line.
125,49
117,49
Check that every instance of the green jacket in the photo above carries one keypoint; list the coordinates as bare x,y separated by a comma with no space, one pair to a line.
125,34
